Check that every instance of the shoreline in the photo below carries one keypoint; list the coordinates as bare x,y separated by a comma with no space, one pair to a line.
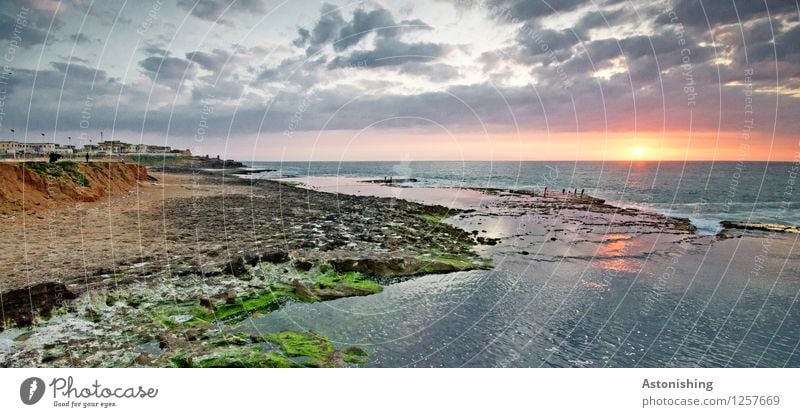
189,257
200,278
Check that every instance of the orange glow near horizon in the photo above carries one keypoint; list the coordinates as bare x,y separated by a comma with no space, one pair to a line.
382,145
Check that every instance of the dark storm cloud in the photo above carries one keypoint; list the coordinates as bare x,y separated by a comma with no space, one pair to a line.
79,72
437,72
81,39
644,88
600,19
389,52
155,50
167,70
784,47
326,29
214,10
521,10
362,24
27,35
536,41
333,29
212,61
706,14
303,35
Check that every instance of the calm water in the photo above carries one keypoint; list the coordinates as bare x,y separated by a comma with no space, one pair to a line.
724,303
702,191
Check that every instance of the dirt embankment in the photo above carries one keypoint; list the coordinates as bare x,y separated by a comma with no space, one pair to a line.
39,185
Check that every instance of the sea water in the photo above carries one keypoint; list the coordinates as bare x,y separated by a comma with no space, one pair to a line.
705,192
730,302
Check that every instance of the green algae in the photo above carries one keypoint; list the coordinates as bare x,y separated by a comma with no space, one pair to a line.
294,344
242,357
355,355
346,280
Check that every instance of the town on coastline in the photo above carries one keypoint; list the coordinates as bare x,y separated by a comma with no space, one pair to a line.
11,149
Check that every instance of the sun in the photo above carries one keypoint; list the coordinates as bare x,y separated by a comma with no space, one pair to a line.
639,152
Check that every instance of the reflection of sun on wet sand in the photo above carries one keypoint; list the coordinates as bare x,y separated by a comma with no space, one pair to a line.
611,254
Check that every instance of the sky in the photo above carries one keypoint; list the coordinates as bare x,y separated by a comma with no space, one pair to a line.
404,80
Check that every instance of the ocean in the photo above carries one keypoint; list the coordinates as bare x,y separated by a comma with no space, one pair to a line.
627,300
704,192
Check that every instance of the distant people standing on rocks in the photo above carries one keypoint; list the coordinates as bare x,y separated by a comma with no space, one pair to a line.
563,190
545,191
87,156
581,192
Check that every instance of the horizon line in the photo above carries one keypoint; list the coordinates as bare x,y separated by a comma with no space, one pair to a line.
519,160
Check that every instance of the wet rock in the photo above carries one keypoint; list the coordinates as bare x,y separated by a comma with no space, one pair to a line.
206,303
487,240
22,306
766,227
334,293
236,266
301,289
302,265
275,256
379,267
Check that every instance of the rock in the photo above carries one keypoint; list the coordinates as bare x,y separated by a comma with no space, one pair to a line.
22,306
301,289
487,240
332,294
236,266
207,303
229,296
302,265
275,256
378,267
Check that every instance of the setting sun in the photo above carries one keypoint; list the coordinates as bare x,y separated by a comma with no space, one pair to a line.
638,152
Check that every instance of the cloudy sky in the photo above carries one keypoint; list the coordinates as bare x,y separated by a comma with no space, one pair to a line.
391,80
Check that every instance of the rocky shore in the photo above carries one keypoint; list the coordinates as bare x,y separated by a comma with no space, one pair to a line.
154,276
167,272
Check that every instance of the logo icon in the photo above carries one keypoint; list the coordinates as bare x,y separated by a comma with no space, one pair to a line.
31,390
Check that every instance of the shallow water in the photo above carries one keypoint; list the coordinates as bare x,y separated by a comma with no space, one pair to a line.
705,192
593,297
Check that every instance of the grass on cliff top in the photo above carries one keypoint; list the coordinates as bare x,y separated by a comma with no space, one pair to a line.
62,169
